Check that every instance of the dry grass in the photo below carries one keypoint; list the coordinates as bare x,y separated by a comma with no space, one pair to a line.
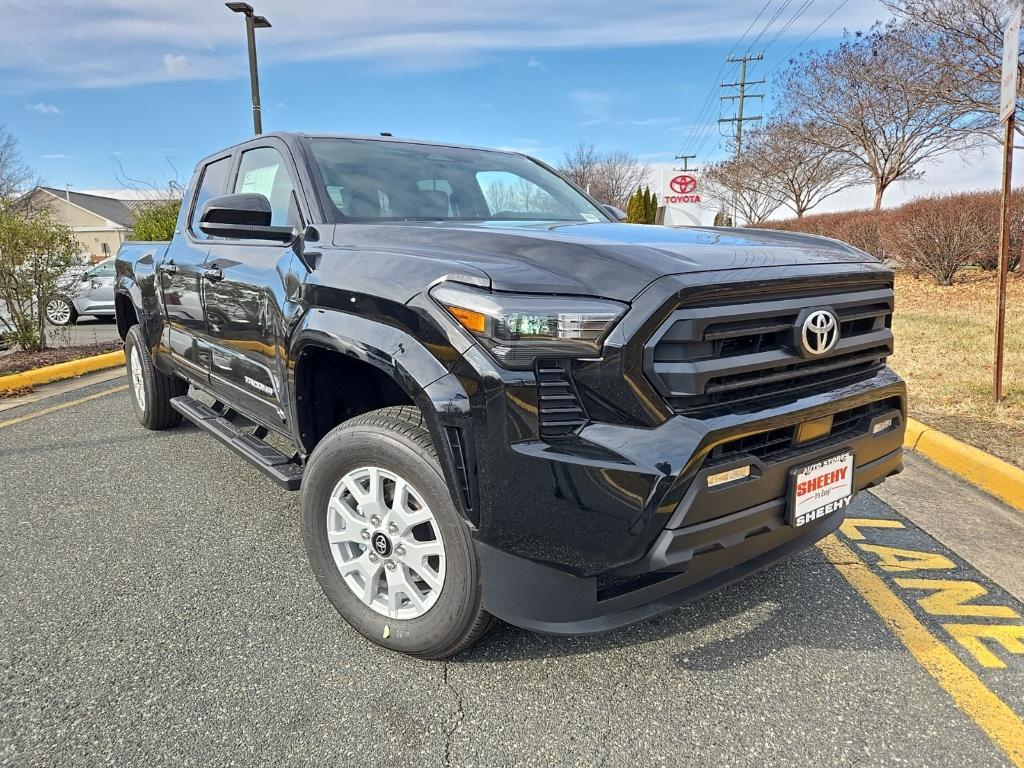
945,350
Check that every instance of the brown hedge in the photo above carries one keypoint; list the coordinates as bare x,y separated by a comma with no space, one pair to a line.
935,235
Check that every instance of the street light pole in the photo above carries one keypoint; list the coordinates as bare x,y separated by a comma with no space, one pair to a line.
252,23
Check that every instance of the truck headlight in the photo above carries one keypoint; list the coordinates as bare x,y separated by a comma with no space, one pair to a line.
517,329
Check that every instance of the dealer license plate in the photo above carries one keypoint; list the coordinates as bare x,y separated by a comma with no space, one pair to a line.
820,489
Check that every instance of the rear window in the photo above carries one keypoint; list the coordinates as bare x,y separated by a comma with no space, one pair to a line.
370,180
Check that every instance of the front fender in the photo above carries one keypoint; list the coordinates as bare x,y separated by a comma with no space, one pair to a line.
421,372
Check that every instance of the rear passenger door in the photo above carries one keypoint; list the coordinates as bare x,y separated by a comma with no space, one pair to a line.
247,309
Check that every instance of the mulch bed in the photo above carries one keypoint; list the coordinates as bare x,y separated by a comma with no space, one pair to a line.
16,362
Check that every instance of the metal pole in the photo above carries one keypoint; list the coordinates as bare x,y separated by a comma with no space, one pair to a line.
254,78
1004,254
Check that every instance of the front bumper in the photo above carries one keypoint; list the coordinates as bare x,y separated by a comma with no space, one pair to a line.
596,533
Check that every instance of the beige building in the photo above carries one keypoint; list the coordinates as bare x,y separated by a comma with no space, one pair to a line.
101,224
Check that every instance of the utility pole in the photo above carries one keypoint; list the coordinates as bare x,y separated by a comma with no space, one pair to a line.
686,162
1008,116
741,96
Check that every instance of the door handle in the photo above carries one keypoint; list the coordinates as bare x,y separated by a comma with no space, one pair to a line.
168,269
213,274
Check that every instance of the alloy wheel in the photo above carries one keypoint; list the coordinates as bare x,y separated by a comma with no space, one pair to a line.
58,311
138,383
386,543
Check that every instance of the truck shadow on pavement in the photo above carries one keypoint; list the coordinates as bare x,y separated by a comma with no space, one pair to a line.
799,603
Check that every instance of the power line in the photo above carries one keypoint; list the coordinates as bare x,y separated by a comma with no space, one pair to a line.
767,26
704,114
807,37
799,12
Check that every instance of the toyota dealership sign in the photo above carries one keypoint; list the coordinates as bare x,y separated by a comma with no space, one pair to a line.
679,188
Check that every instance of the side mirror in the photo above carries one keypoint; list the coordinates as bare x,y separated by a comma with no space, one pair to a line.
244,216
86,277
616,213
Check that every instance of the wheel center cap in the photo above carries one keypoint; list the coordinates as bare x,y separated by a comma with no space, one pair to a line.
381,544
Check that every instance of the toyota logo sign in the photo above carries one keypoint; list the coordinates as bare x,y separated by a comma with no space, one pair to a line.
679,188
683,184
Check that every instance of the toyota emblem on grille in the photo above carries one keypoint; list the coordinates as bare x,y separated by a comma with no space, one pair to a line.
819,332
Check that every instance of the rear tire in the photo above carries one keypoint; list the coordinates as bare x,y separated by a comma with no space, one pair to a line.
149,389
393,554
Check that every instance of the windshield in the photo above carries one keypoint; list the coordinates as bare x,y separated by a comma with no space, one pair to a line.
370,180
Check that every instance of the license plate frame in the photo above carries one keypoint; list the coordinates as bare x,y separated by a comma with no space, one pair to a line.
825,500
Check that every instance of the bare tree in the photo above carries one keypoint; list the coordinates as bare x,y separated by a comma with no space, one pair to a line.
968,41
746,185
580,165
15,175
804,169
882,99
611,177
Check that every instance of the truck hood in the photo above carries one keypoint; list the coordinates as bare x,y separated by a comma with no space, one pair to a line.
616,261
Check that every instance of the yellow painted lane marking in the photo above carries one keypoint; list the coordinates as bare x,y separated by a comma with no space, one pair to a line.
953,597
987,710
970,636
851,526
894,559
62,406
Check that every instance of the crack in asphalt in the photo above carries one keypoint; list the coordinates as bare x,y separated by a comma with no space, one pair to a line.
460,715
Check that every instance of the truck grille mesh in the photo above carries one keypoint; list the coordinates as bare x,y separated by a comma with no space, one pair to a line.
739,353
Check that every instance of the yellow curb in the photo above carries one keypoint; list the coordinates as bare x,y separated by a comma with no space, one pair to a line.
992,475
60,371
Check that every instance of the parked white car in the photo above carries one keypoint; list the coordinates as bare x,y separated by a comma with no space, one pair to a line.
90,293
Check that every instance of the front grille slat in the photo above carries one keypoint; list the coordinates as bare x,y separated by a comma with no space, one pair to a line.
559,410
730,355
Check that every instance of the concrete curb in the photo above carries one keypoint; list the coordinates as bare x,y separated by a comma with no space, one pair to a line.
993,475
60,371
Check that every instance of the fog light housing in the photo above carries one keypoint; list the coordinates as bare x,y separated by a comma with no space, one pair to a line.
882,426
729,476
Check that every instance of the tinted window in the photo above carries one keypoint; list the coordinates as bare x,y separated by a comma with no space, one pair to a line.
390,180
212,183
263,172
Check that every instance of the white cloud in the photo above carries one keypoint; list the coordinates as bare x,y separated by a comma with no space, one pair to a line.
592,104
533,63
35,52
43,108
176,64
57,156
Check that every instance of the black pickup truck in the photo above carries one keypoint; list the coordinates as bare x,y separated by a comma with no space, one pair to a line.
496,399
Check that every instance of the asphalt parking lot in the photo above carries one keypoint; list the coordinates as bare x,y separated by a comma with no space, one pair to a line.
157,609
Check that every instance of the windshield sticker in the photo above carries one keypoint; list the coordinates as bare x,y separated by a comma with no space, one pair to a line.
590,217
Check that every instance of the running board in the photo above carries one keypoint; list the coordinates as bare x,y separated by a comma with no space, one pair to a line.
280,468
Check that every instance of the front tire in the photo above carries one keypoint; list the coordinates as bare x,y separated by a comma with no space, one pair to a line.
149,389
385,540
60,311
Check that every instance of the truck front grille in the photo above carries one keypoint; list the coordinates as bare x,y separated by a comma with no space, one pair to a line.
737,354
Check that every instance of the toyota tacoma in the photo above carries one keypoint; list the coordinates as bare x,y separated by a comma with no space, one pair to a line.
495,398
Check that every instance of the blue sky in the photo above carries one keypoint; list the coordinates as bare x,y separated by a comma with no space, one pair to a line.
90,87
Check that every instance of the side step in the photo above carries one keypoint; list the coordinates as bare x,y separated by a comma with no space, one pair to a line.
280,468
